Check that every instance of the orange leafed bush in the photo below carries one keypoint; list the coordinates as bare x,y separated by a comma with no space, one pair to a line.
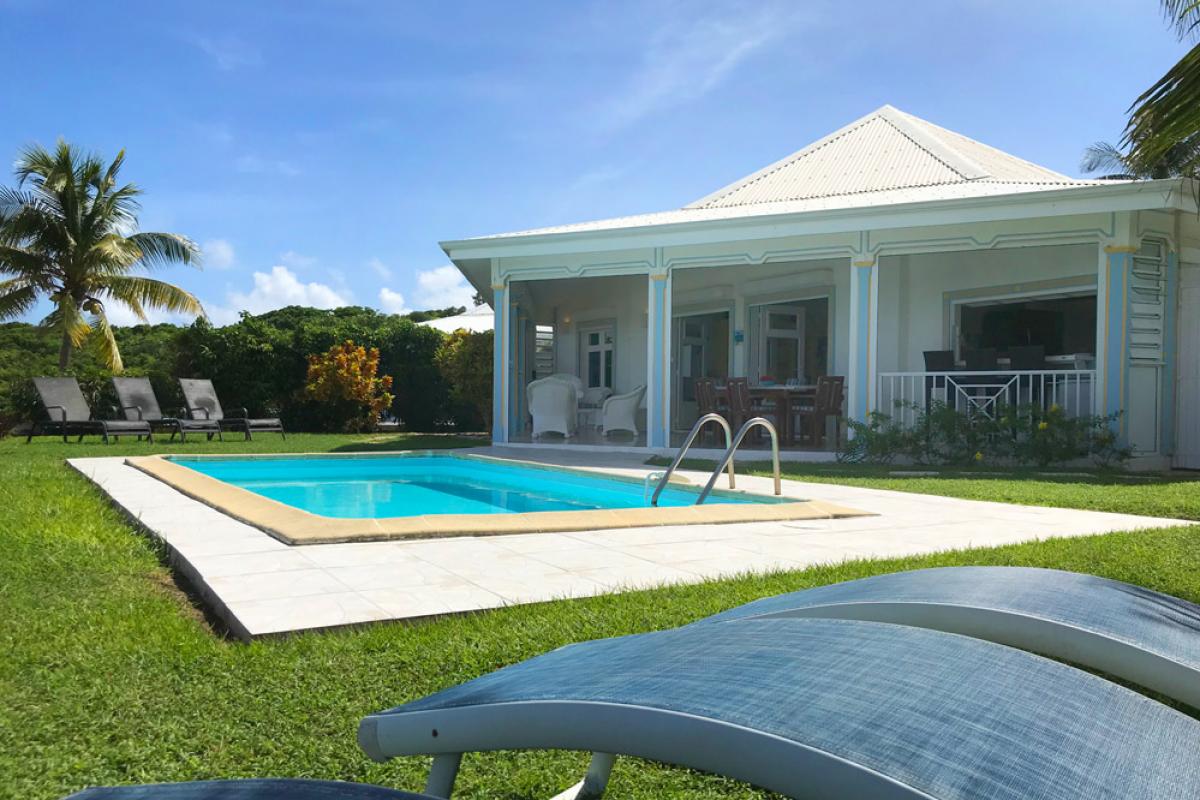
347,378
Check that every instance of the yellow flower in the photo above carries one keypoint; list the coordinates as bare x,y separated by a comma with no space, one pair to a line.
1043,425
1055,408
979,456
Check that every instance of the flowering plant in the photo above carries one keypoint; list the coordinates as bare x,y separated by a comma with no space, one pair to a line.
346,377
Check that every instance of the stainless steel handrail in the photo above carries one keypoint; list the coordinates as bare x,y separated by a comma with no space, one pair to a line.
691,437
727,459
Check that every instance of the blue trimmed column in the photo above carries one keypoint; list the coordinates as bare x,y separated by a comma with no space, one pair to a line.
864,336
501,379
1114,370
658,361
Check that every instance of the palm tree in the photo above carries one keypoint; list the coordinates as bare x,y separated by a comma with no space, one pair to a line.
1169,111
69,232
1119,165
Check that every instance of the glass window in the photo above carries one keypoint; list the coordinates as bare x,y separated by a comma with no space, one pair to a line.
597,357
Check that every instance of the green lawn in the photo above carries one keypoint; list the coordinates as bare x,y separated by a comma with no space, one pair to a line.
1176,495
108,674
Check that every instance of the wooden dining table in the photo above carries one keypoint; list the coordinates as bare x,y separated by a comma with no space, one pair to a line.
779,400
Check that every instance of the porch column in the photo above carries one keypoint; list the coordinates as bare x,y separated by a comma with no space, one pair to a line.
501,378
658,360
1111,365
864,336
1170,353
515,365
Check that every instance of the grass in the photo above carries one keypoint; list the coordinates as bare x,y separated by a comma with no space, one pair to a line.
1175,495
109,675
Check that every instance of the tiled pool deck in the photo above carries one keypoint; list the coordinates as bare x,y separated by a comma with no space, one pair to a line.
257,585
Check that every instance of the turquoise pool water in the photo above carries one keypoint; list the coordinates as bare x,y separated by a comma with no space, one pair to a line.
407,486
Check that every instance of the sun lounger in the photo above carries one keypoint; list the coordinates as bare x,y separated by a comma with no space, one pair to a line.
68,413
815,708
202,403
1138,635
138,402
259,789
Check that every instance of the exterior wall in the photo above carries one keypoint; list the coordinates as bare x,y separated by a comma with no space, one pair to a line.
915,312
1187,396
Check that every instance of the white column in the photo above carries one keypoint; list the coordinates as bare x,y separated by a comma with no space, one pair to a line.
864,336
658,360
501,377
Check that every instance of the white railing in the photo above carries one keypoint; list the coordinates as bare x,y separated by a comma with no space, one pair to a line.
902,394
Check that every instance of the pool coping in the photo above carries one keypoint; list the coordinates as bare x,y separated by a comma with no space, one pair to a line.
295,526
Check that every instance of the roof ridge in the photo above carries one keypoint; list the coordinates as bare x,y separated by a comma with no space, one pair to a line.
791,158
944,152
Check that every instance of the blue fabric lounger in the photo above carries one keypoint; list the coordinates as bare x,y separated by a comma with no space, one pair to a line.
258,789
816,708
1138,635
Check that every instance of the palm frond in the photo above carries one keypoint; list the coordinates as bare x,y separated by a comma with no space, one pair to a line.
1166,113
106,341
161,249
17,297
67,320
1104,156
151,293
24,262
1183,16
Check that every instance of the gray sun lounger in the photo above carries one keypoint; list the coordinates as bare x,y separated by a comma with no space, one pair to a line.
68,413
252,789
203,404
1135,634
815,708
138,402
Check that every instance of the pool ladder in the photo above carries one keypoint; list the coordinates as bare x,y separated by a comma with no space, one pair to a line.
732,443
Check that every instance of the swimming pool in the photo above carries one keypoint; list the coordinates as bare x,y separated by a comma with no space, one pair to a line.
326,498
414,485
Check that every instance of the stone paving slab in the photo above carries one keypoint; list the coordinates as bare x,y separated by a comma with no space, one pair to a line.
259,586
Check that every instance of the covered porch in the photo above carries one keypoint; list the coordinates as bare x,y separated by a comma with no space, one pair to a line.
979,330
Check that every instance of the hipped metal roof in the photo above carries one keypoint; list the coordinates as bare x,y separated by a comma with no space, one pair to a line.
886,158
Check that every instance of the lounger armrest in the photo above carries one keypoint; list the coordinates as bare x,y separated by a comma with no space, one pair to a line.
191,412
138,409
62,410
240,413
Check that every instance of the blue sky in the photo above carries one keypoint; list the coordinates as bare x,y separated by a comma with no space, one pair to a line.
320,150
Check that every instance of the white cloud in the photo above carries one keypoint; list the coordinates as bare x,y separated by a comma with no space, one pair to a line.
275,289
443,287
254,165
296,260
121,315
379,268
230,52
392,302
218,254
692,53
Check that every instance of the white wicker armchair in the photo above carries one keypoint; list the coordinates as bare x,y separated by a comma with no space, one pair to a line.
620,411
553,404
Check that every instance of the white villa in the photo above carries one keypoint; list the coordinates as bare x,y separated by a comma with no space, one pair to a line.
910,260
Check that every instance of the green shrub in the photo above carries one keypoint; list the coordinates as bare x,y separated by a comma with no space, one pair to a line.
465,361
1023,435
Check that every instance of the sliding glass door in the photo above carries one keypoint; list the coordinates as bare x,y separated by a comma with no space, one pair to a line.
701,351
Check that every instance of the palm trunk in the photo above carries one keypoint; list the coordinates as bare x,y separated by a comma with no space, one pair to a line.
64,353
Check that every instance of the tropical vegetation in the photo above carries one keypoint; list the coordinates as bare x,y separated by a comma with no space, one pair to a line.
347,380
68,233
261,362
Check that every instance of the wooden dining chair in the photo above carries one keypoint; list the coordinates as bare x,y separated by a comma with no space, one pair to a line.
706,403
813,420
743,407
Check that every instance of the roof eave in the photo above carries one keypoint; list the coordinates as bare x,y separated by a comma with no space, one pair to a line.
1133,196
